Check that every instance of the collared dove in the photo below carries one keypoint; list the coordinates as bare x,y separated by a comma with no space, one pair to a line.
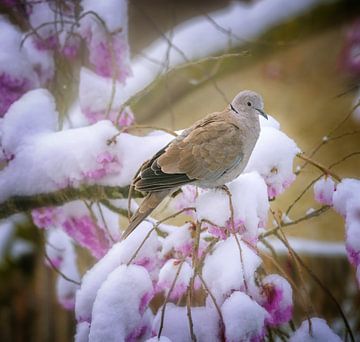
210,153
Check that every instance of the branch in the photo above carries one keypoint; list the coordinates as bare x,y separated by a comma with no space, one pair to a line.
17,204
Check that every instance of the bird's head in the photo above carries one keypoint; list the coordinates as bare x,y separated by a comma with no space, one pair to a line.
249,102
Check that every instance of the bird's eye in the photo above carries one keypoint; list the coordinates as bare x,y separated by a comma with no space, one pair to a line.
249,104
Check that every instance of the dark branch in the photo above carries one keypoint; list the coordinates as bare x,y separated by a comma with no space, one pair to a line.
17,204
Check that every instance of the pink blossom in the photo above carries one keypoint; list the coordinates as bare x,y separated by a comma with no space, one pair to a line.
49,43
109,55
353,255
87,234
144,302
107,164
125,119
350,54
137,333
71,47
45,217
277,299
11,89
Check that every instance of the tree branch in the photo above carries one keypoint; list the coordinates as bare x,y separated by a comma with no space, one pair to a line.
17,204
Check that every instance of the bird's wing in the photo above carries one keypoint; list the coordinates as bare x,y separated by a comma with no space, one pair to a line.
206,152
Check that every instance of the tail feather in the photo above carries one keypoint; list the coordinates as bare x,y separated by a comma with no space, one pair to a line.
149,203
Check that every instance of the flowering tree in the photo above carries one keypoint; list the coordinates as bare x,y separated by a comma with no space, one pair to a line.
205,280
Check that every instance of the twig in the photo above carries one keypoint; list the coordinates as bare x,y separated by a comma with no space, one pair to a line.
315,213
322,168
188,310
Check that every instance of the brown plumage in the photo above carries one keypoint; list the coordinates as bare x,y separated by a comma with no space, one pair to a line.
212,152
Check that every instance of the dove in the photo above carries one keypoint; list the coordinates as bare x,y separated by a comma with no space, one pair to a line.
208,154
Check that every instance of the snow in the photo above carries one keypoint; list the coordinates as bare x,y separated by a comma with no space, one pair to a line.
276,167
82,332
324,189
244,319
320,332
156,339
176,324
120,253
346,190
250,204
167,276
223,277
82,154
117,311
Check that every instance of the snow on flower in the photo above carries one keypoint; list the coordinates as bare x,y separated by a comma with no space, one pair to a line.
82,154
187,199
167,276
244,319
17,75
276,167
223,277
108,46
324,189
250,204
100,98
57,245
178,243
120,253
176,324
116,314
82,332
277,299
319,332
346,201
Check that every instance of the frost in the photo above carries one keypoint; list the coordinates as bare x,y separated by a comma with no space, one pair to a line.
276,167
324,189
176,323
244,319
320,332
250,204
223,277
118,309
120,253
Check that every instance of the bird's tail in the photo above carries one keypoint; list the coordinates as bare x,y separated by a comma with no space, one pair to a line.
149,203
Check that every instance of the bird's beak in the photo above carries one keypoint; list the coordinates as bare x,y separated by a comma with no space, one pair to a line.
262,113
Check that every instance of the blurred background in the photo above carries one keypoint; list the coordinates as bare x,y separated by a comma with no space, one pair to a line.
303,57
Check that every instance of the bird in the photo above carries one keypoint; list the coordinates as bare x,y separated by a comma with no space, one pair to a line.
208,154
